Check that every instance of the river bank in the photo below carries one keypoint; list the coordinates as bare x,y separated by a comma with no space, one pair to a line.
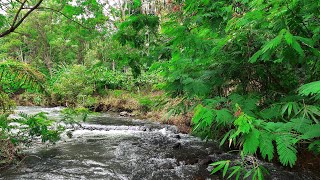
155,106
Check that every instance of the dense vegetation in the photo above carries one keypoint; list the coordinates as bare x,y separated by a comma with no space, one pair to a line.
247,71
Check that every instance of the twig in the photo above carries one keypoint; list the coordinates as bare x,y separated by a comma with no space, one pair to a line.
16,25
24,159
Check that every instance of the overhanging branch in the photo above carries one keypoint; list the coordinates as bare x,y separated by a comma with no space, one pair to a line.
69,18
16,23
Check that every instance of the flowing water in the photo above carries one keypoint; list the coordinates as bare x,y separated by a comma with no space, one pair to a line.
113,147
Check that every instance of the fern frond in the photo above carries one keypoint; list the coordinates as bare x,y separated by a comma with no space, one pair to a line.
21,73
312,132
311,112
286,149
265,145
312,88
315,147
224,116
300,125
203,117
24,115
271,112
251,141
244,123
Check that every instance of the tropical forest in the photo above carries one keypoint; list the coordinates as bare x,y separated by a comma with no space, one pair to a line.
160,89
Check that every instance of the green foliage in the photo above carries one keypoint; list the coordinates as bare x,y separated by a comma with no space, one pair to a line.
29,128
253,135
277,40
251,142
78,84
14,76
75,115
315,147
6,104
240,169
224,116
312,88
137,34
286,149
146,104
266,145
237,65
73,84
20,75
37,99
133,30
202,119
38,125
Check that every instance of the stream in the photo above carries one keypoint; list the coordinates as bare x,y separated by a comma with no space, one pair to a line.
109,146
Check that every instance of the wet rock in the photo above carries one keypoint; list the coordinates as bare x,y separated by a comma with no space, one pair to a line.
210,168
124,113
177,136
223,156
205,161
143,128
191,161
69,134
177,146
163,131
210,150
173,129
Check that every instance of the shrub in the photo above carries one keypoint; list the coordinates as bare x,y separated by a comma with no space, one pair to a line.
73,84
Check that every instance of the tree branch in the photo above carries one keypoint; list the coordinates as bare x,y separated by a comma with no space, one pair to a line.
24,34
16,25
69,18
17,14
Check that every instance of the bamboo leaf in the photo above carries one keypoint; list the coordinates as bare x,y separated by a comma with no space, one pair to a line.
225,169
219,167
235,170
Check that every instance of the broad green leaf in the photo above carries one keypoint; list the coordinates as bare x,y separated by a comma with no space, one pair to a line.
260,173
225,137
248,173
307,41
